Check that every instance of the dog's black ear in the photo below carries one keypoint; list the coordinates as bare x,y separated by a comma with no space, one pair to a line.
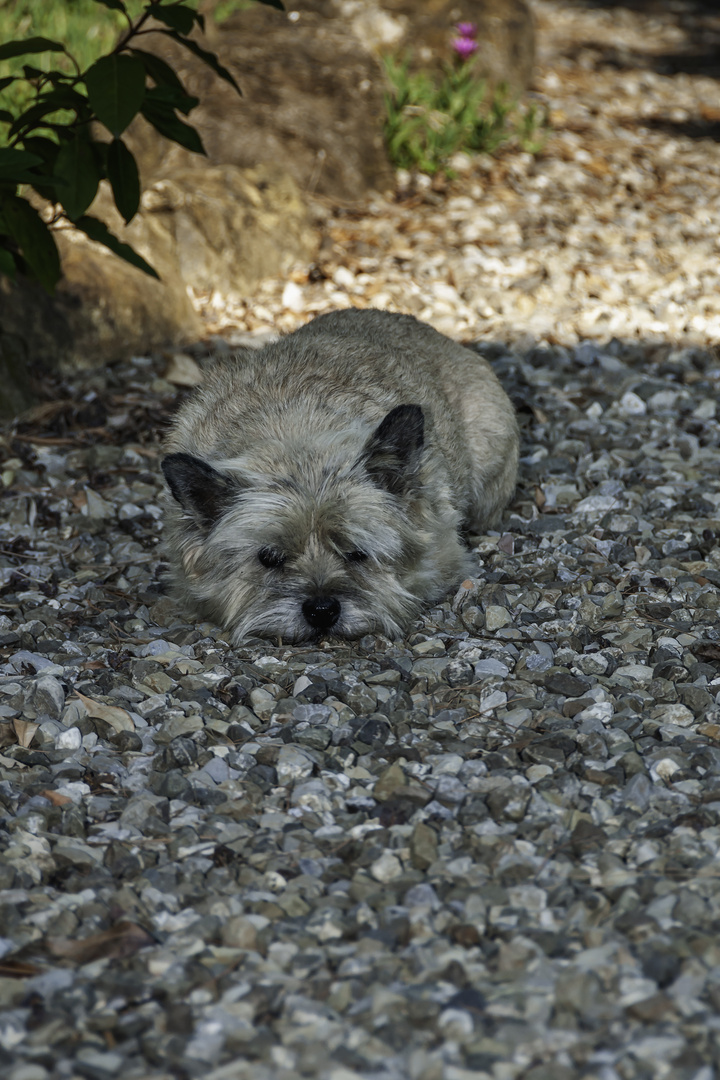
392,453
201,490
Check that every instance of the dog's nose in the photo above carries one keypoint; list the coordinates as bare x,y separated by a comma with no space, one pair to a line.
322,612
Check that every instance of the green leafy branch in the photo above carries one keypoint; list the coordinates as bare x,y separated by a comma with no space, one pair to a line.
50,144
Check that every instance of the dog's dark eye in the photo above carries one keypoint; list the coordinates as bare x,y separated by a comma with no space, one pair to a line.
271,558
356,556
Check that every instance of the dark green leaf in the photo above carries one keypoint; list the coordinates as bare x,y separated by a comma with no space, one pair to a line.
99,232
174,99
207,57
7,263
116,88
114,5
32,72
34,239
61,98
43,180
123,176
10,158
76,167
7,80
6,117
165,120
273,3
15,166
177,16
46,149
65,97
30,45
161,73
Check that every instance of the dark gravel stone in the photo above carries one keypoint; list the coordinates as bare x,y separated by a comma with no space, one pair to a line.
565,684
475,850
172,784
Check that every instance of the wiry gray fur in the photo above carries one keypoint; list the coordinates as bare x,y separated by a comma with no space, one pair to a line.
304,505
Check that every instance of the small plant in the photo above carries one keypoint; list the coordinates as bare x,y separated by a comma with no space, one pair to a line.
52,146
430,118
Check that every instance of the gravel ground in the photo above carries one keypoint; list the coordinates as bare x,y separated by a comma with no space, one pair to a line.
486,851
612,231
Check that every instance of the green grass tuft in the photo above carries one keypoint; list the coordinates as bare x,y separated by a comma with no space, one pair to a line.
428,119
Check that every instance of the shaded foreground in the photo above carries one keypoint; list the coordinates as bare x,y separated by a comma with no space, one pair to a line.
489,850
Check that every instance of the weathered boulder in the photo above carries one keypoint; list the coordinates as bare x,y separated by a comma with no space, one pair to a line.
505,34
217,228
425,28
313,86
32,335
312,102
112,309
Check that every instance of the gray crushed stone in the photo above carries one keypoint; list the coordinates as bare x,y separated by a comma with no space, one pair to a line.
489,850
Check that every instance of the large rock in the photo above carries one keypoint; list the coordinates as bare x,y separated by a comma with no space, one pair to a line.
112,309
312,101
424,29
218,228
505,34
102,309
32,333
313,85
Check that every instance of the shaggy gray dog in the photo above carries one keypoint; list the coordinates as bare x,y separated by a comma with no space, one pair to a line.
323,484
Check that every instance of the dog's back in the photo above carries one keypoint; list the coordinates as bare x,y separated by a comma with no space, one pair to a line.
352,367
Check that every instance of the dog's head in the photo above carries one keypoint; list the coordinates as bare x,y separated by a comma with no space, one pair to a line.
303,540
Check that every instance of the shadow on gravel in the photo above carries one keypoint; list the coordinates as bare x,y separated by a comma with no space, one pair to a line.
492,841
699,21
690,129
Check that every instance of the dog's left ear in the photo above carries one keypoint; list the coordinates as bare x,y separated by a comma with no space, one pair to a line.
201,490
392,453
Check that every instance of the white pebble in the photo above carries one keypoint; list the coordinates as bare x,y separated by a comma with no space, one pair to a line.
386,868
69,739
632,405
344,278
293,298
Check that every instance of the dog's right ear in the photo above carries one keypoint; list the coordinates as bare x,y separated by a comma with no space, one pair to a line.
201,490
392,453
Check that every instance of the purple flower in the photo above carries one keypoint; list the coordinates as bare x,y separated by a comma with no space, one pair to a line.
466,29
464,47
